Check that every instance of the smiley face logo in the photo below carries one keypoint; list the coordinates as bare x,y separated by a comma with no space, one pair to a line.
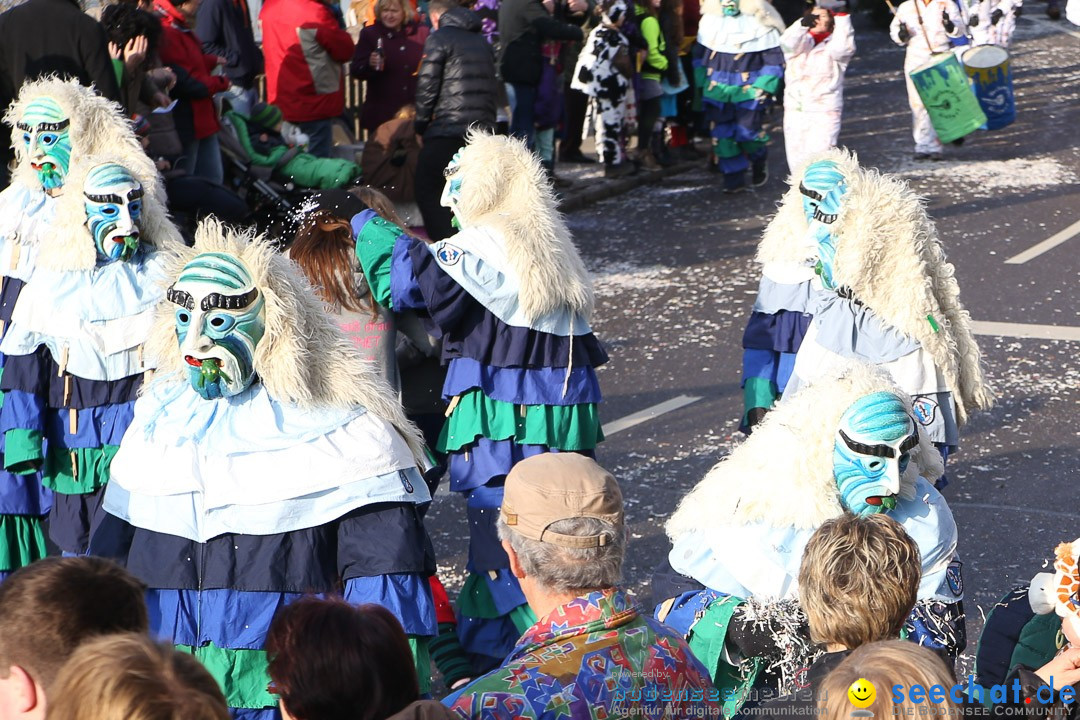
862,693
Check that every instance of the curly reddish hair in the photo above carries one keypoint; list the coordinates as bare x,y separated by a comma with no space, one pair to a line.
330,660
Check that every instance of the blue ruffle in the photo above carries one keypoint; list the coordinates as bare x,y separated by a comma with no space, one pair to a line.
855,331
404,289
38,373
782,331
251,714
482,511
687,609
22,410
773,366
522,386
228,618
487,460
490,639
95,427
24,495
505,590
406,595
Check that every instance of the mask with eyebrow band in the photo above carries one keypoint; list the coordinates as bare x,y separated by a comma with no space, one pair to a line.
220,319
113,199
872,452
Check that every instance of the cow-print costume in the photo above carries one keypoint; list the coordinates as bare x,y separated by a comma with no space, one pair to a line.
597,75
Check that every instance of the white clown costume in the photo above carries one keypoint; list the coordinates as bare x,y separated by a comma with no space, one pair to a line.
992,22
265,461
890,298
57,123
843,444
924,29
511,299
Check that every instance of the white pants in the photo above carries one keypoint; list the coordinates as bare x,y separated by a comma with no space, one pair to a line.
926,140
807,133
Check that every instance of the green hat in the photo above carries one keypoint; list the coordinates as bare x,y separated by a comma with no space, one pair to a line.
265,114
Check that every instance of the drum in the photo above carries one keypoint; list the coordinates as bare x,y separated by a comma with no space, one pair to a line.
991,76
945,91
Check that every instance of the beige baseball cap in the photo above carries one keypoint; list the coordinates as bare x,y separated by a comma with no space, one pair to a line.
546,488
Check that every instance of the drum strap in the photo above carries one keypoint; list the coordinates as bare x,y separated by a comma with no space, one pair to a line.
922,26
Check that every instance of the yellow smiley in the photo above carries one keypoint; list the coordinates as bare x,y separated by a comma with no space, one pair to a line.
862,693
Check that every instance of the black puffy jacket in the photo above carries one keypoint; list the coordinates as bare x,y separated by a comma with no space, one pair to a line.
456,84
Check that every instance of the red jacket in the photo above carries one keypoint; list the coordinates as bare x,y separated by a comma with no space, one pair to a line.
304,49
181,47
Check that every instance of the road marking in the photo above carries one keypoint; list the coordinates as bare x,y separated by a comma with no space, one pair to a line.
649,413
1023,330
1037,511
1046,245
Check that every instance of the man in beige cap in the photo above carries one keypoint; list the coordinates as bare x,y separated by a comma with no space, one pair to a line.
562,525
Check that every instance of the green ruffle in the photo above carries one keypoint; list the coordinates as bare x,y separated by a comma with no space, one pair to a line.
22,541
93,469
759,392
563,427
22,451
243,677
706,639
375,250
240,673
475,601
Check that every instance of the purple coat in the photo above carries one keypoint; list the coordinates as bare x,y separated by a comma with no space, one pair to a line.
394,87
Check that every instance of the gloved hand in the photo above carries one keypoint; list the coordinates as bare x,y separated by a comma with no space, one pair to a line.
974,21
995,17
808,19
947,22
903,33
1018,11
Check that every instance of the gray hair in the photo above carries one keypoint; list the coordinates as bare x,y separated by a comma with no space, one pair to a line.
563,569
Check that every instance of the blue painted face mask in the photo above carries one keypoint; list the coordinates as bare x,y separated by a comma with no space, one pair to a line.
872,452
44,131
220,320
452,189
823,233
820,178
113,199
730,8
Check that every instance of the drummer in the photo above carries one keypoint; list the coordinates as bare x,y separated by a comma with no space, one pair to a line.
924,28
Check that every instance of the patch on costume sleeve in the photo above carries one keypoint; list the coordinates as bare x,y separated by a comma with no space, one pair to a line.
955,577
449,254
405,481
925,409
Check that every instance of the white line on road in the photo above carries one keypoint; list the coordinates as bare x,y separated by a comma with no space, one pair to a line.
1023,330
625,423
1045,246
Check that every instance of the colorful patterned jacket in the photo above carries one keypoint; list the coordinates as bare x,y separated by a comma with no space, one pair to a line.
594,657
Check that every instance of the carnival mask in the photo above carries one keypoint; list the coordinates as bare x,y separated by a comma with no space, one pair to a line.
872,452
452,190
219,321
730,7
820,178
46,140
823,235
113,210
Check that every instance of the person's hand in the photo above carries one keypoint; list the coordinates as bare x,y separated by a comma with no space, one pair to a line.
903,33
577,7
135,52
162,100
549,5
419,139
1062,670
995,17
222,60
374,60
162,165
115,52
808,19
1018,11
947,22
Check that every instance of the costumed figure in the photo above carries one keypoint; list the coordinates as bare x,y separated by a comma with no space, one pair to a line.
603,74
54,122
817,50
511,300
265,460
925,28
890,298
781,313
992,22
1032,623
739,66
844,444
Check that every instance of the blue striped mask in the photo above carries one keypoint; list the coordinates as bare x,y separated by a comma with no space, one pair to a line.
113,199
220,319
872,452
44,131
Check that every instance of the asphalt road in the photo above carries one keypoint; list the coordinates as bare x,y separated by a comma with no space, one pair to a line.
675,281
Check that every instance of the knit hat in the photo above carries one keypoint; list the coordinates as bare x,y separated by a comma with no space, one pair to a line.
265,114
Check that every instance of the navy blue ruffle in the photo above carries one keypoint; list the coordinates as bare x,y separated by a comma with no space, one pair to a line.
487,461
781,332
485,549
36,373
523,386
9,292
380,539
70,520
469,330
